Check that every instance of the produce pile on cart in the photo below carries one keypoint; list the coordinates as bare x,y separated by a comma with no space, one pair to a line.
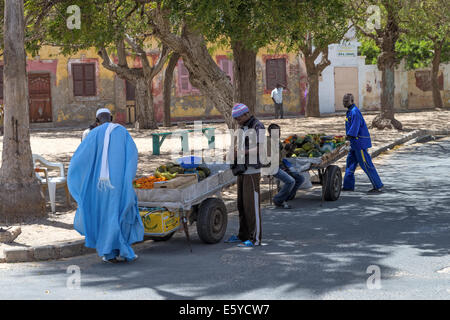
170,171
187,190
314,145
318,152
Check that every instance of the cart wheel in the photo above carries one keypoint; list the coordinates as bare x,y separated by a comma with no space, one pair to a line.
212,220
157,239
332,183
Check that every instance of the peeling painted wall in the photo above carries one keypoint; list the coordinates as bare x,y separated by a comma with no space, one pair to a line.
197,106
419,83
68,109
292,98
111,91
412,88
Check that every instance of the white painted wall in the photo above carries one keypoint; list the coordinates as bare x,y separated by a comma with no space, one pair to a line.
326,85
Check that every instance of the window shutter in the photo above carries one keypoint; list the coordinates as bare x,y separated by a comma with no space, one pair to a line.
227,67
281,71
89,88
271,74
230,70
89,71
77,71
275,73
89,79
184,84
83,75
183,77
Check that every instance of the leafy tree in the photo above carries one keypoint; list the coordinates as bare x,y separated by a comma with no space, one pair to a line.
369,49
417,53
171,28
250,25
311,26
431,24
246,26
380,20
118,30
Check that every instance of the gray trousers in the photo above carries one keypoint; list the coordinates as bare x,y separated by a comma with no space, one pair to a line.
278,110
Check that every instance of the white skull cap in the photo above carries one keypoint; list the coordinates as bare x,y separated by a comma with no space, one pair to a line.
102,110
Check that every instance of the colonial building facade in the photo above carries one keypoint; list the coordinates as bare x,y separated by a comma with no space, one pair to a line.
67,90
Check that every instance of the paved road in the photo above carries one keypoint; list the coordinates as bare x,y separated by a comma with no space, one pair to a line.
318,251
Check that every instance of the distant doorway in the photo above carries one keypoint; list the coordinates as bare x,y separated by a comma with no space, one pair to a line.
130,92
40,98
345,81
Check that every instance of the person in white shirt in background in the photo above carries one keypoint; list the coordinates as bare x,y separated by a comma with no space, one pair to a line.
277,97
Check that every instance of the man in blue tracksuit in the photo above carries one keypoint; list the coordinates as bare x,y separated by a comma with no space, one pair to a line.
358,134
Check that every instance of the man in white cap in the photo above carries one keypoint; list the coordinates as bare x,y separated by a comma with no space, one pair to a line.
100,178
102,113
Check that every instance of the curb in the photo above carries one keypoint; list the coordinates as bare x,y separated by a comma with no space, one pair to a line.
46,252
75,248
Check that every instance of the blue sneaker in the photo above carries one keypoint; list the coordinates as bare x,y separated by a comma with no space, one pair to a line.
247,243
232,239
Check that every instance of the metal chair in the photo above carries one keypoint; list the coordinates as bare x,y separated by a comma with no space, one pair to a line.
51,182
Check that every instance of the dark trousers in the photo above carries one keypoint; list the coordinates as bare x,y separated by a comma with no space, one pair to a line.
361,157
278,110
249,206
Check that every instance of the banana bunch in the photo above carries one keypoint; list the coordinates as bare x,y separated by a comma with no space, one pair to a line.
166,175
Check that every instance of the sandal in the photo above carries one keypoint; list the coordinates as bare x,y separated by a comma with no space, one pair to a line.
247,243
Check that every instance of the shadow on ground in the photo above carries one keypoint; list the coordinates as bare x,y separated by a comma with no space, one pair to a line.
314,249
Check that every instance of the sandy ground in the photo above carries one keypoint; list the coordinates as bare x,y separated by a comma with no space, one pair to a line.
59,145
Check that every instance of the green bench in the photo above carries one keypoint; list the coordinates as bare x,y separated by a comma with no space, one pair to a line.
158,139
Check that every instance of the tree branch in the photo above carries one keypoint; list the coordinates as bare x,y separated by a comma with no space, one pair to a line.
141,53
122,71
162,60
121,53
325,62
162,28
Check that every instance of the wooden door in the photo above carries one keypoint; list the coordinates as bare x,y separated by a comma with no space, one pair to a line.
345,81
275,73
39,91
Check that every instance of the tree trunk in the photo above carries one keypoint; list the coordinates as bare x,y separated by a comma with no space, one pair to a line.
141,78
20,196
437,99
312,106
386,63
204,73
244,74
167,91
386,119
145,114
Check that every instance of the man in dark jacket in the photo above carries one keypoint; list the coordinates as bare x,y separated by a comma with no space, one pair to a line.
248,189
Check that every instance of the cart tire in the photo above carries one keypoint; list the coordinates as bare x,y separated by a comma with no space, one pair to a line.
160,238
332,183
212,220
